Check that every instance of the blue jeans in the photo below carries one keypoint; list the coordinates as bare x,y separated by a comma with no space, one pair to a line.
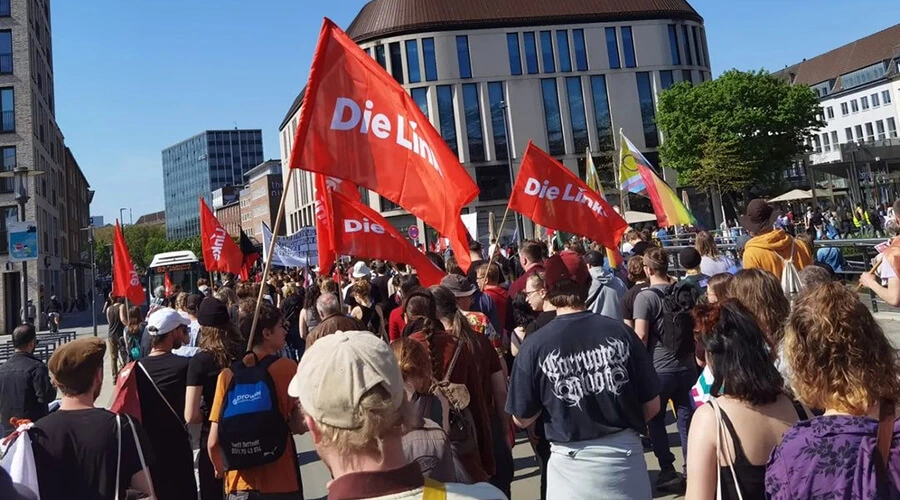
676,387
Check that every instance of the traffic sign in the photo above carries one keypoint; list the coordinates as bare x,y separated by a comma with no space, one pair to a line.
413,232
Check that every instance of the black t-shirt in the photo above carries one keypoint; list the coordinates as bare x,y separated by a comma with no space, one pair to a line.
75,452
628,300
542,320
203,372
589,374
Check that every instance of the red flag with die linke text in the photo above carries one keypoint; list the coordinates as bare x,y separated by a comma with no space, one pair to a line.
220,252
126,282
363,232
551,195
324,220
357,123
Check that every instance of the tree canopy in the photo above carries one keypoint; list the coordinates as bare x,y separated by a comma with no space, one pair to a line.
143,242
739,130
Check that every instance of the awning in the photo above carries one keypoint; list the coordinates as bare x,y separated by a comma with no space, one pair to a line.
796,194
632,217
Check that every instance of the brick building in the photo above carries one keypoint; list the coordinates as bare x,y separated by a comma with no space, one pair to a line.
259,200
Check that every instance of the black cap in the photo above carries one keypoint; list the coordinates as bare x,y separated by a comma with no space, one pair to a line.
213,312
594,258
689,258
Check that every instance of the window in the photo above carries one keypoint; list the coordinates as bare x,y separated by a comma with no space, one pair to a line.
673,45
562,45
446,116
551,115
6,52
870,133
864,102
612,48
628,47
687,46
474,132
698,50
849,133
515,57
576,113
864,75
547,52
834,139
666,79
826,142
602,118
830,111
420,95
412,61
5,10
879,126
7,110
886,96
396,62
844,110
379,56
6,214
430,62
531,60
493,182
648,109
387,205
686,76
859,134
581,63
854,106
892,127
8,155
875,101
462,55
498,121
817,144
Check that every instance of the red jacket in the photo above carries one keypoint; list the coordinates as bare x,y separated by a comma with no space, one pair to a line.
501,305
396,324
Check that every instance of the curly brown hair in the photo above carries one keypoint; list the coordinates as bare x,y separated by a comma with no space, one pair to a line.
636,269
839,354
225,344
760,292
414,362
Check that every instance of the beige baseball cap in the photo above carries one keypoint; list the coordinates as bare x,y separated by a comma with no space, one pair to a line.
338,370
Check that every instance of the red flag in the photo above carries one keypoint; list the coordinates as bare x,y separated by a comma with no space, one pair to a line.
168,284
551,195
220,252
363,232
358,123
324,231
125,279
249,256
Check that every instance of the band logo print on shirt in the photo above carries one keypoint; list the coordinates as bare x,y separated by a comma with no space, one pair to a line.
602,369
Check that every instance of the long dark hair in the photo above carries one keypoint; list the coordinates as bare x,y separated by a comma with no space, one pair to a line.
445,302
312,294
421,317
738,353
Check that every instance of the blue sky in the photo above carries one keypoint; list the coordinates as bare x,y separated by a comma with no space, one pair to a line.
133,78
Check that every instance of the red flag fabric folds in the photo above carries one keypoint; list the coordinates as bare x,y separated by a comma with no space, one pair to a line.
126,282
220,252
358,123
363,232
551,195
324,222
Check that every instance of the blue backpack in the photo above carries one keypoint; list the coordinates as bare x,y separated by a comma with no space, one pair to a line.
252,430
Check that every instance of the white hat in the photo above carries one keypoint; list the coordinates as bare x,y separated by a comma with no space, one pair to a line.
164,320
338,370
361,270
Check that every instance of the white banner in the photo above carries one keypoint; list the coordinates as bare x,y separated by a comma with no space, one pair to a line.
296,250
470,220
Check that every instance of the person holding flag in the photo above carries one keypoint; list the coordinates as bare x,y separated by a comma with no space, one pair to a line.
126,286
220,252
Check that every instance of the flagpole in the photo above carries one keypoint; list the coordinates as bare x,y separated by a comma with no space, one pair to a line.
278,219
520,226
623,196
494,254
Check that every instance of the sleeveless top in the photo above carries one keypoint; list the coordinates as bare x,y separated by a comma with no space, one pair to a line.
752,478
312,318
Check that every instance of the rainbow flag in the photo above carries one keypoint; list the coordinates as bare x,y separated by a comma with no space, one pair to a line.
613,255
630,180
669,209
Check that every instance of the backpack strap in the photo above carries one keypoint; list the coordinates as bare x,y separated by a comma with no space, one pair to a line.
453,361
178,417
885,430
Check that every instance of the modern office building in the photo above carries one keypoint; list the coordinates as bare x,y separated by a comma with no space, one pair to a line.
197,166
566,74
259,200
856,156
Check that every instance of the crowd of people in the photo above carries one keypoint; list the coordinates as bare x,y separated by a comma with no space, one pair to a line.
411,391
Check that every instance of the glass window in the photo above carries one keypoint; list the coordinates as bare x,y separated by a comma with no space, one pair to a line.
886,96
380,57
562,45
830,111
879,126
602,118
673,45
5,12
870,132
396,62
498,122
581,63
875,101
493,182
826,142
386,204
666,79
430,62
648,109
531,58
420,95
854,106
848,132
859,133
687,76
612,48
474,131
892,127
8,155
515,57
462,55
7,110
6,52
817,144
844,109
628,47
834,139
547,52
698,49
447,116
864,102
687,45
551,115
412,61
576,113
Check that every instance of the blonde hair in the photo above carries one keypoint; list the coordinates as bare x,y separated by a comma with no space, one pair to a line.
288,290
840,357
379,420
181,301
706,245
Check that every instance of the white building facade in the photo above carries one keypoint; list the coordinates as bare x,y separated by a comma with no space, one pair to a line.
570,80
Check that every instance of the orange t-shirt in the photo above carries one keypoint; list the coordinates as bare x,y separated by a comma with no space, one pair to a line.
277,477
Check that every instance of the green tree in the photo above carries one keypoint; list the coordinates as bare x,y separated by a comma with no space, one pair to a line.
740,130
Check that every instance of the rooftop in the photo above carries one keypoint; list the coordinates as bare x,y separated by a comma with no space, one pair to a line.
154,218
268,167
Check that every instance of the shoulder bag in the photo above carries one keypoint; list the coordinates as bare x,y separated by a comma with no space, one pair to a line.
461,425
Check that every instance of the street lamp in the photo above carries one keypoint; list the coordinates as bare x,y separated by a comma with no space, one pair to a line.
90,230
121,216
20,176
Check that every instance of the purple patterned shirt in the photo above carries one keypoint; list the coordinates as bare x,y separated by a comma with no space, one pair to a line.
831,457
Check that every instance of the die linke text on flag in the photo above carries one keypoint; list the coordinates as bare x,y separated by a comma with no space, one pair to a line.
363,232
324,232
220,252
357,123
551,195
126,282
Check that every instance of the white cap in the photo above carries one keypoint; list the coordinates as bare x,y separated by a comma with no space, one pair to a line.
361,270
164,320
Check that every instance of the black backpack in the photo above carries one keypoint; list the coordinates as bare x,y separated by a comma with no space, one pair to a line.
678,324
252,430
